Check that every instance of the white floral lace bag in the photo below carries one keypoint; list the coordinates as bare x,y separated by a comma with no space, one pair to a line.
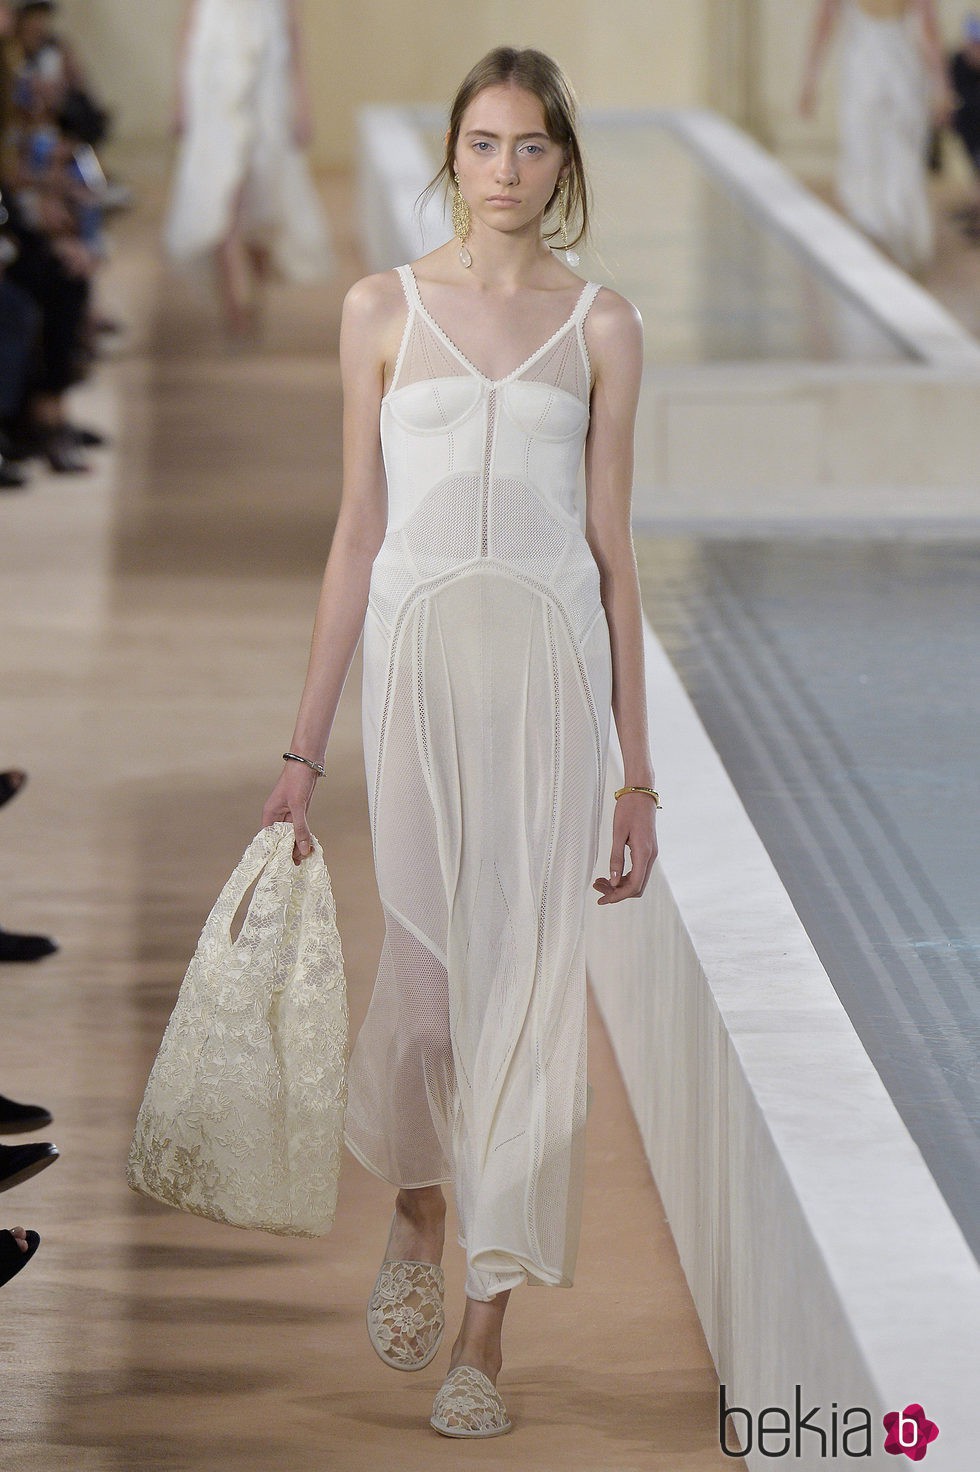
243,1116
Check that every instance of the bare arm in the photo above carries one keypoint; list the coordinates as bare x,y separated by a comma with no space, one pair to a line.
361,523
183,42
933,50
616,349
302,104
825,20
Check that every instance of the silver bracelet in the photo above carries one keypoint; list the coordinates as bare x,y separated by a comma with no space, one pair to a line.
291,756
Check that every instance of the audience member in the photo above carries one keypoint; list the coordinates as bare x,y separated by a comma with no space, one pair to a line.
964,70
53,194
13,946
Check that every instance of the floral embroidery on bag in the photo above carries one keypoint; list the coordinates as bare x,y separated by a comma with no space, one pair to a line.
243,1116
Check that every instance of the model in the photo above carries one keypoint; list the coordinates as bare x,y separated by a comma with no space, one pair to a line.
893,84
242,192
501,623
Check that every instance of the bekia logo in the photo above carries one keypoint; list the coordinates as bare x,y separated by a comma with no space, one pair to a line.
777,1432
909,1431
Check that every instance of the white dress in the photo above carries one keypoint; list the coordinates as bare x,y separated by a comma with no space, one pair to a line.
238,131
487,684
884,132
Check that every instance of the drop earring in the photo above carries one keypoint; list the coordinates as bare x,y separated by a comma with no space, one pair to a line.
571,256
461,223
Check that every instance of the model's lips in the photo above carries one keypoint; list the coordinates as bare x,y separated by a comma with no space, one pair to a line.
502,199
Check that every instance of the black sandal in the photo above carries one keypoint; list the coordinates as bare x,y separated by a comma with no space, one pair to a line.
10,784
12,1257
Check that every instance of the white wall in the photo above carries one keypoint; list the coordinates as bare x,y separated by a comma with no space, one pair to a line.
629,51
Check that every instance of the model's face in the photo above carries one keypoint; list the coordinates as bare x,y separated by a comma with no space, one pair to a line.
507,164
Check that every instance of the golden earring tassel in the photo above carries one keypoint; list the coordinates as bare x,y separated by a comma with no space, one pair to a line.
571,256
461,223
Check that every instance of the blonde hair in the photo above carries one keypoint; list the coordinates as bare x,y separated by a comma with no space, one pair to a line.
542,76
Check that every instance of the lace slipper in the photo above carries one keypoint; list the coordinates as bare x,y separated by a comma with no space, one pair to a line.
469,1404
405,1314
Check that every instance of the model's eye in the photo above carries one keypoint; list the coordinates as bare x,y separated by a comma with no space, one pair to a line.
536,147
481,144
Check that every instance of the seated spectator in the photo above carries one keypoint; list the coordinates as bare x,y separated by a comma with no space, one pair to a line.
19,329
16,947
54,226
964,69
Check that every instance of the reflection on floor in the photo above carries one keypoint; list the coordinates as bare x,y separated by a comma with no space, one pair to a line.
840,684
156,622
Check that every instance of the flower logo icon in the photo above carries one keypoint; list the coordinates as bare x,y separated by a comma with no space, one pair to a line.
909,1431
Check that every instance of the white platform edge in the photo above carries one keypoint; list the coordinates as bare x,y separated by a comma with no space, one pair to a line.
816,1244
853,263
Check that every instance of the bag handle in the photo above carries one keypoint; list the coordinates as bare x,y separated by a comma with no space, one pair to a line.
268,851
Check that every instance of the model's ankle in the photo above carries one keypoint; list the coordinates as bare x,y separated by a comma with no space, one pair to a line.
422,1206
481,1356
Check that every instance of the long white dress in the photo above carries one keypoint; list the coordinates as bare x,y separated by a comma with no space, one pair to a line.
487,685
238,132
884,131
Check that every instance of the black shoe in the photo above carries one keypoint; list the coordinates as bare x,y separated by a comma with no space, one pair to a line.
60,449
20,1162
17,1119
11,479
90,438
12,1255
10,784
15,947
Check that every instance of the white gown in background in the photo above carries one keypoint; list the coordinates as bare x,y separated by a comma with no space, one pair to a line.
487,684
238,131
884,132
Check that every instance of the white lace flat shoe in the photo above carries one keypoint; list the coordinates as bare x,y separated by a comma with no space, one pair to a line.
469,1404
405,1314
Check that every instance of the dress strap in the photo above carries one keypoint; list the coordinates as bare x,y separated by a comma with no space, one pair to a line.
408,286
405,276
588,296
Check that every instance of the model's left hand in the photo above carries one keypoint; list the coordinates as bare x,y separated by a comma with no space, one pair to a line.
635,828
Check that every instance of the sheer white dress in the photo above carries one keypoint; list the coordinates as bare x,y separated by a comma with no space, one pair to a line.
487,685
238,95
884,131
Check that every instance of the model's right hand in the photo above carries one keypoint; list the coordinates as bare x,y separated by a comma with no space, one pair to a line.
288,802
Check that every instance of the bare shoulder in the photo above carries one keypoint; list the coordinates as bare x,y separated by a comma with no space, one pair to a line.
614,337
614,321
373,299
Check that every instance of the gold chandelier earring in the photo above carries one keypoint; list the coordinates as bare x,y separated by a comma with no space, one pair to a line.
461,223
571,256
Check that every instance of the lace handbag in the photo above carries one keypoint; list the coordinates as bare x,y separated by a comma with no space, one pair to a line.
243,1116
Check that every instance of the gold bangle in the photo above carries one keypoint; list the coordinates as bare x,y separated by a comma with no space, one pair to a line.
652,791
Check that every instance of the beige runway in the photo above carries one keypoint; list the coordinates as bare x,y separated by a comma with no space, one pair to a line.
156,619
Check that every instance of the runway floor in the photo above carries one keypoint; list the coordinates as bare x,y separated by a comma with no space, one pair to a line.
156,619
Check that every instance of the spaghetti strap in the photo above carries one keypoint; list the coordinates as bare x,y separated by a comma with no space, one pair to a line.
592,290
409,287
